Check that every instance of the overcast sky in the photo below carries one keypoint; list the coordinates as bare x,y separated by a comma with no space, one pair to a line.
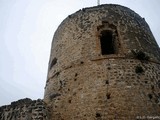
26,31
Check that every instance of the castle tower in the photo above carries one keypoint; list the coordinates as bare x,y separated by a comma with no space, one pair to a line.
105,65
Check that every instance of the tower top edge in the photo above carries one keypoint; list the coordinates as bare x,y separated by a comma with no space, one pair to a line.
105,6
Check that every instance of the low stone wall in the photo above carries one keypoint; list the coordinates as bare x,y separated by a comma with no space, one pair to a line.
24,109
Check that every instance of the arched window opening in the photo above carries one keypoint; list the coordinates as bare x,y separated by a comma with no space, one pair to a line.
107,42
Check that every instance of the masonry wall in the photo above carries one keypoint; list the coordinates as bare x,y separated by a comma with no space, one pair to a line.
24,109
104,94
83,84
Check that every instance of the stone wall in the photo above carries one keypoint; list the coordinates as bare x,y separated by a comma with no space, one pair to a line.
24,109
83,84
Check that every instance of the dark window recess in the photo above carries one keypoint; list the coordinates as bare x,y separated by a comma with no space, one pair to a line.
54,61
107,42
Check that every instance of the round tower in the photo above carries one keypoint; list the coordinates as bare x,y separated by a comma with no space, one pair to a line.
105,65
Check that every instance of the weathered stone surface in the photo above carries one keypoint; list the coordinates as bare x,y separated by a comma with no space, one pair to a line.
84,84
24,109
104,65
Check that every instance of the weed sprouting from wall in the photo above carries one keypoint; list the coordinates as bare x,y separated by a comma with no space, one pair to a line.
140,55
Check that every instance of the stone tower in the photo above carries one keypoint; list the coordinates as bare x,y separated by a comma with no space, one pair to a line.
105,65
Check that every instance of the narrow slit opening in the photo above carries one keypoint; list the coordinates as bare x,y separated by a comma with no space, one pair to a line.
54,61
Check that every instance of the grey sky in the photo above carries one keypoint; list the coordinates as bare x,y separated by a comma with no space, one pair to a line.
26,31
